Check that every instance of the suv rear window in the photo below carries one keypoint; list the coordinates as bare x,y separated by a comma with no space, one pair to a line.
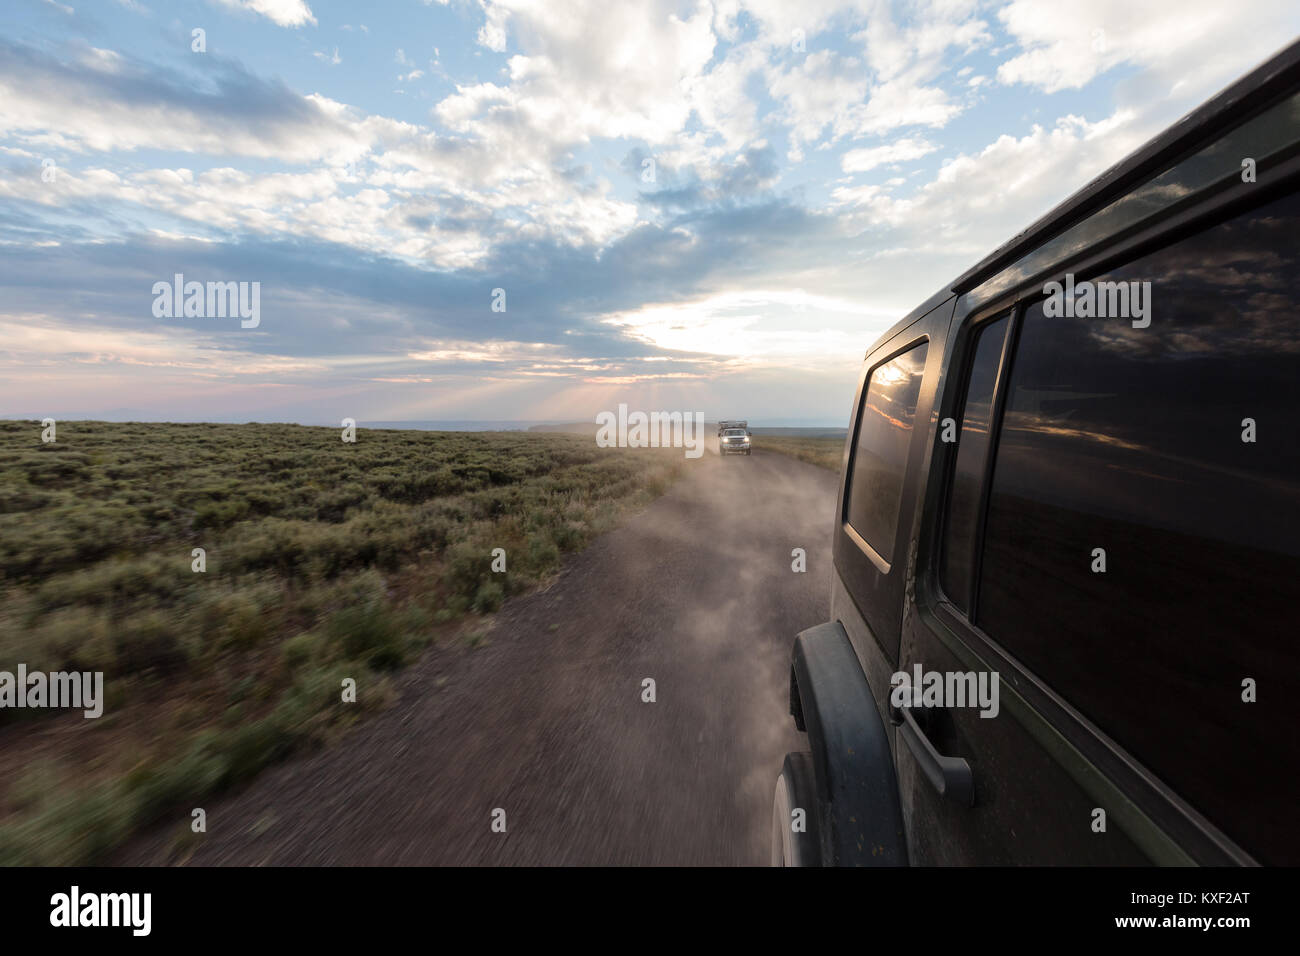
1130,440
875,486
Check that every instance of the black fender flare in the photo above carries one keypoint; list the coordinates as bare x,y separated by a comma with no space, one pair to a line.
857,788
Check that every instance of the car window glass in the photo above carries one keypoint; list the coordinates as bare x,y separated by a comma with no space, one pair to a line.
884,436
1142,547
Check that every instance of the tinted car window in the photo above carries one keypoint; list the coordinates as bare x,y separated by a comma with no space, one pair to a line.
968,470
1131,440
880,452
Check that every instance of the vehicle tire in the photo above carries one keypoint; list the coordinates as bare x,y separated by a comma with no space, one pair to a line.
796,789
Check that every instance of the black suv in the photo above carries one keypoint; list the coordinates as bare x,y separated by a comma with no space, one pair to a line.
1072,480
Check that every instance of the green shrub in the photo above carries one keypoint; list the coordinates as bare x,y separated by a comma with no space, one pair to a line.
488,597
369,633
304,648
148,643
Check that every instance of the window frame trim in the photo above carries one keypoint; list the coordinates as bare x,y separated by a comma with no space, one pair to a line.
965,346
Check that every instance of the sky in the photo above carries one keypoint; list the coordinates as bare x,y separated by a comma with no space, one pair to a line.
531,210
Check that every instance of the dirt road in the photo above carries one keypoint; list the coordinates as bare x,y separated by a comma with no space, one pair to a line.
547,722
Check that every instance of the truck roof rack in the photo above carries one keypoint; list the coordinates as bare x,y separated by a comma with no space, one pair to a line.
724,425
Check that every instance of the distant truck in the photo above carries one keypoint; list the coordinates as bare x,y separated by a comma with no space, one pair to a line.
733,438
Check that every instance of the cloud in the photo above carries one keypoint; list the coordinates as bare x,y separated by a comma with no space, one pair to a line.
901,150
567,89
787,328
285,13
104,102
482,186
978,200
1066,44
888,82
493,32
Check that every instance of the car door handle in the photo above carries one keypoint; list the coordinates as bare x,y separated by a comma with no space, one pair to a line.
951,776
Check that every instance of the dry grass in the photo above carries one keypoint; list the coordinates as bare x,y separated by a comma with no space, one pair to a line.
823,452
